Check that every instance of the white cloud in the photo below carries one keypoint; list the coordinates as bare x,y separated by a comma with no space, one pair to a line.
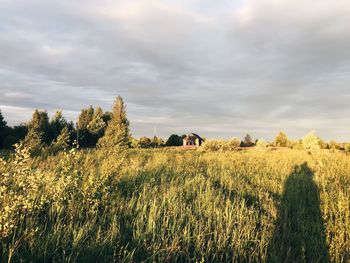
217,68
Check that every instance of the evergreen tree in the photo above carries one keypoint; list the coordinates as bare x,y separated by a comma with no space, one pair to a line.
33,142
57,123
40,124
38,133
174,140
86,139
62,141
117,134
14,135
97,125
3,123
107,116
248,142
3,127
85,118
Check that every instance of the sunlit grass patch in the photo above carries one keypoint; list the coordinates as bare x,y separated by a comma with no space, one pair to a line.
176,205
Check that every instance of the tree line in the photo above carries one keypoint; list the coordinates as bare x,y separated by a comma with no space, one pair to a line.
53,135
96,128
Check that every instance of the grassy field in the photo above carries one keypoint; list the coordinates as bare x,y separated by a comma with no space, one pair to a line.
176,205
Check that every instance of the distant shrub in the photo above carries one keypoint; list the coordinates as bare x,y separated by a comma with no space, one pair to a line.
347,147
220,145
292,144
281,140
334,145
310,141
261,144
212,145
231,145
323,144
144,142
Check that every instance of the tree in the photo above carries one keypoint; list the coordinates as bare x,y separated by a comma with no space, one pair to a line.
57,124
174,140
9,141
97,125
107,116
85,117
85,136
14,135
117,134
33,142
3,127
281,140
40,124
248,142
62,142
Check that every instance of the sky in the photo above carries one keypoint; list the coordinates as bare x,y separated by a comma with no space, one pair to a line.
218,68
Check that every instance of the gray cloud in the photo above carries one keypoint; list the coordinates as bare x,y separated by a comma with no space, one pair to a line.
221,69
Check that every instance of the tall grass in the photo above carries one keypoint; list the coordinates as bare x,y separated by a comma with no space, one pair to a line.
176,205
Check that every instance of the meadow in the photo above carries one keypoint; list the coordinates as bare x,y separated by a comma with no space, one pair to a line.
176,205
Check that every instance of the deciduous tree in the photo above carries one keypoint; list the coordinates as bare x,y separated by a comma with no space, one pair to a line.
281,140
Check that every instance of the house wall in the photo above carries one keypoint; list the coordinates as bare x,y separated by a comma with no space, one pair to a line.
197,142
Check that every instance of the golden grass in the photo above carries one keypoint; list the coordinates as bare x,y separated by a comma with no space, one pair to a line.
176,205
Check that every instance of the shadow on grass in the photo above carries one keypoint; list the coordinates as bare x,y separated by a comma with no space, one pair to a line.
299,235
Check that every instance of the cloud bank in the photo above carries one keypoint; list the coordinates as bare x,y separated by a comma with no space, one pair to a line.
217,68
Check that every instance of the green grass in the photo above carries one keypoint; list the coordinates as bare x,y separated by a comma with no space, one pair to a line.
181,206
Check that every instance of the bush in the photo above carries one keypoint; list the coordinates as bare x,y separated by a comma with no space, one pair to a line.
281,140
334,145
212,145
144,142
310,141
347,147
220,145
231,145
261,144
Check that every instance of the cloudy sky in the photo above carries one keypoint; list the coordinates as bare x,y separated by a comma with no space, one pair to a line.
219,68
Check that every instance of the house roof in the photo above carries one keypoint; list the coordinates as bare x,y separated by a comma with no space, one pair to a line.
193,136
